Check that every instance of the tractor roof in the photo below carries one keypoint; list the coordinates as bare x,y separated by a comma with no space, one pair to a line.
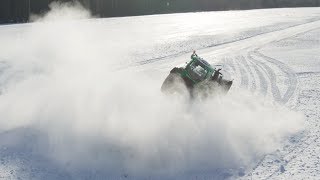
204,62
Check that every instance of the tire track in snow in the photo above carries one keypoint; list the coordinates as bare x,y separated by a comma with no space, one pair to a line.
272,76
290,152
265,73
293,82
243,73
303,144
293,152
268,66
262,79
235,70
229,62
253,81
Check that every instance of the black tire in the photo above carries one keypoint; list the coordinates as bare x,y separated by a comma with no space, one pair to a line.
169,81
174,84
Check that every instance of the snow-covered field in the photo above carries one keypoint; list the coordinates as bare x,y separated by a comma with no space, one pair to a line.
80,96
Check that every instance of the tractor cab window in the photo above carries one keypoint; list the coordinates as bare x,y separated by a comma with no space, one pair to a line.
197,71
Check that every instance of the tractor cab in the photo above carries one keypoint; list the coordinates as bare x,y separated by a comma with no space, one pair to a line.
198,69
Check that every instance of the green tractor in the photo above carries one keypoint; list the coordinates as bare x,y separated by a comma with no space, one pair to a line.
198,77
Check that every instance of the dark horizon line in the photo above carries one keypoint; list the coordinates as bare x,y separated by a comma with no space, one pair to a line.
19,11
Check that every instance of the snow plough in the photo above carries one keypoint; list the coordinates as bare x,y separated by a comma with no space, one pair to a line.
198,77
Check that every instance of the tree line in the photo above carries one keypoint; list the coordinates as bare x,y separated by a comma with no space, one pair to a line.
13,11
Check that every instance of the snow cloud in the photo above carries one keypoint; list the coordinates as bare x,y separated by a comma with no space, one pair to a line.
63,76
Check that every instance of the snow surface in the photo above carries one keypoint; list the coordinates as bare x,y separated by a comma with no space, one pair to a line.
80,96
